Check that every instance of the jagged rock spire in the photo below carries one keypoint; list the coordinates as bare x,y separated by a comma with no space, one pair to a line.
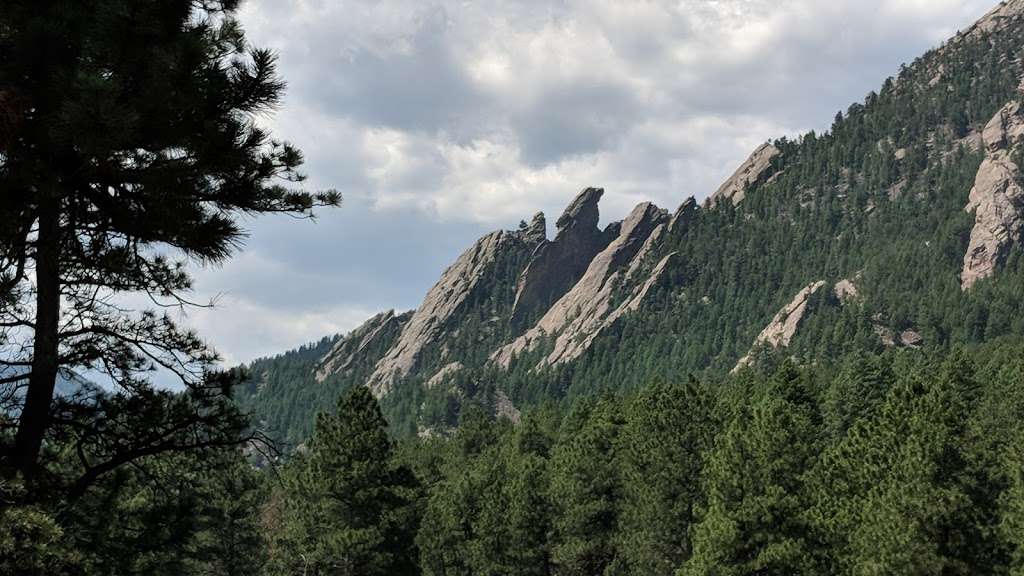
557,265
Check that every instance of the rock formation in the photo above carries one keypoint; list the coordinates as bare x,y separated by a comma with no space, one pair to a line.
577,318
754,169
441,305
995,19
503,408
997,198
536,232
846,289
555,266
377,331
443,374
891,339
683,214
779,332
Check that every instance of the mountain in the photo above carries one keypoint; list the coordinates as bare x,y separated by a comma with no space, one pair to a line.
899,227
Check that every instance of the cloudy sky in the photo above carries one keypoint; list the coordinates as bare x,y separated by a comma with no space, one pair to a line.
442,120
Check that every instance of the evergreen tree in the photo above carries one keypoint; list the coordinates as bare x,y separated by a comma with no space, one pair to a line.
347,505
585,491
131,148
891,497
754,485
667,432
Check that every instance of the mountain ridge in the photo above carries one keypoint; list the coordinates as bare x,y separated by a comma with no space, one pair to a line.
912,202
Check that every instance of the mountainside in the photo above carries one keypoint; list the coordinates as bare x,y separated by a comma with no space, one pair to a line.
899,227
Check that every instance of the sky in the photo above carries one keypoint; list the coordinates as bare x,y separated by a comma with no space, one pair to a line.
440,121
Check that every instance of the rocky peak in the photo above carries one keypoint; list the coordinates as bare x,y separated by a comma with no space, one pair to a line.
579,316
996,18
441,304
997,198
683,214
556,265
582,212
536,232
352,346
754,169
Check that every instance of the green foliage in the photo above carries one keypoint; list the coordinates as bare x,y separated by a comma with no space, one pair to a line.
586,486
754,485
662,449
346,500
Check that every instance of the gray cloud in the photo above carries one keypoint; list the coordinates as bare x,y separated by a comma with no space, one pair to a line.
442,119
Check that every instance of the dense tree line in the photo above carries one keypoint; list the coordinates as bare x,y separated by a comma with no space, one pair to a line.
894,463
898,463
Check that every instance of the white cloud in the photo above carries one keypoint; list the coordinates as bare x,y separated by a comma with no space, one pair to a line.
490,110
439,119
251,330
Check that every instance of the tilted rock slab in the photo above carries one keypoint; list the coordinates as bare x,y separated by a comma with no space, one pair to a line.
996,18
578,317
557,265
780,331
441,304
379,329
996,199
444,373
753,170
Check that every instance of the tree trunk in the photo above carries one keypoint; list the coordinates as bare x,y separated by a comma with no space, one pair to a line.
35,415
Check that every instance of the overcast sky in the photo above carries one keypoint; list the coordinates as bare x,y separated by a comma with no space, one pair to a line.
440,121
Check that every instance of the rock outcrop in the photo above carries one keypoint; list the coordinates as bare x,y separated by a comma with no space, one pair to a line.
754,169
377,332
503,408
996,18
442,304
556,265
616,275
780,331
536,232
444,373
997,198
845,290
891,339
683,215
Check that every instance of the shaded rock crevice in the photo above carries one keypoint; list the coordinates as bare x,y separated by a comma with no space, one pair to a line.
558,264
611,286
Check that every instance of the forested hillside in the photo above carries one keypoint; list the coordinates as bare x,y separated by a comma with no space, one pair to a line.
896,463
817,370
870,232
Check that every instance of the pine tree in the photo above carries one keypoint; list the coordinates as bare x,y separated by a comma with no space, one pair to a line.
347,506
753,521
130,149
662,449
585,491
890,498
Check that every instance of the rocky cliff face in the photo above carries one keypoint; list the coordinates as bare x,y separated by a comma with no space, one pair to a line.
444,302
780,331
997,198
589,307
556,265
997,18
379,331
753,170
